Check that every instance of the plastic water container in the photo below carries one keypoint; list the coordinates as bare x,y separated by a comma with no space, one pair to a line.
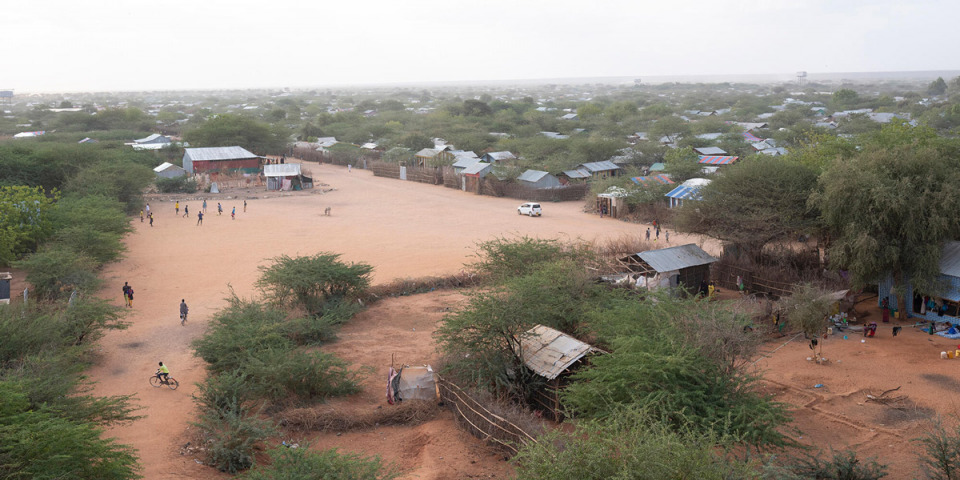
829,330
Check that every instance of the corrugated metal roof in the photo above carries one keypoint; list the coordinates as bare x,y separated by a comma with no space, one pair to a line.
464,162
710,151
675,258
165,165
218,153
717,159
476,168
151,138
498,156
950,259
662,179
603,166
577,173
281,170
532,176
427,152
549,352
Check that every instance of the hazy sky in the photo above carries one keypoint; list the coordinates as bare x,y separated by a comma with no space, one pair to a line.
96,45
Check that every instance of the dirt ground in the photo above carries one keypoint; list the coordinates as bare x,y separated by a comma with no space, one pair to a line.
838,414
406,229
403,229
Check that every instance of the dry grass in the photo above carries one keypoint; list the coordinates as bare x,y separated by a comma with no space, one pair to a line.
409,286
338,419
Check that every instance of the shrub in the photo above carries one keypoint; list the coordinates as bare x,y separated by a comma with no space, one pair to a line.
233,437
55,271
310,281
278,374
941,452
302,464
182,184
38,444
842,465
628,445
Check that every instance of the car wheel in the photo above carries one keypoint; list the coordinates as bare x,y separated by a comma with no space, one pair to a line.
531,213
519,212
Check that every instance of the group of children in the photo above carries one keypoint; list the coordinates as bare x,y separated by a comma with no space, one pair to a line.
145,213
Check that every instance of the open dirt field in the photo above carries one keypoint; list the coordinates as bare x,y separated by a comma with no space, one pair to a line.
405,229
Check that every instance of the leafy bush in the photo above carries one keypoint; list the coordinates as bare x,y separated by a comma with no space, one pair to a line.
628,445
278,374
233,437
57,270
303,464
842,465
504,258
941,452
37,444
311,281
182,184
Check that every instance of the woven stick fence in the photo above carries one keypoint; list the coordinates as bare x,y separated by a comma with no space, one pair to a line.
479,421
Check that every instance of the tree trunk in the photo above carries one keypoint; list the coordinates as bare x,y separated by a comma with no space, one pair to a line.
901,298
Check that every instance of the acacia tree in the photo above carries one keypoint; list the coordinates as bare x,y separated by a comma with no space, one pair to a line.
753,203
890,208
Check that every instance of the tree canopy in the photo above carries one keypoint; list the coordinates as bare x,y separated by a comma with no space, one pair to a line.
753,203
226,130
890,208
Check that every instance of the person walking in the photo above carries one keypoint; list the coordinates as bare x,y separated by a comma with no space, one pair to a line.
199,218
176,207
648,234
183,312
127,295
244,206
233,213
186,211
204,205
148,209
349,168
219,209
666,236
141,215
151,219
657,235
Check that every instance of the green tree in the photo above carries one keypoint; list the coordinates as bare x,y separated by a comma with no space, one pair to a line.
682,164
36,444
753,203
57,270
844,98
227,130
890,208
937,87
24,220
309,282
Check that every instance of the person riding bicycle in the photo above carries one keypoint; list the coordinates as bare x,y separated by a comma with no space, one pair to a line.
163,372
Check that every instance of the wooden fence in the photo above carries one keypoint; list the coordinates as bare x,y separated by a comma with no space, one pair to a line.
479,421
725,275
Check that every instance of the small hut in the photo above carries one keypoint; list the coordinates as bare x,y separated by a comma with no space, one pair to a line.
687,265
286,176
169,170
553,355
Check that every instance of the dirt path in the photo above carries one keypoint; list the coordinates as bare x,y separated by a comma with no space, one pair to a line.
403,229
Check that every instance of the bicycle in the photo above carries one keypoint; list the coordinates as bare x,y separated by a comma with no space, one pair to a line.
157,382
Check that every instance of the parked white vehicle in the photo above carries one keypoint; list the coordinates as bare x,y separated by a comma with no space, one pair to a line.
531,209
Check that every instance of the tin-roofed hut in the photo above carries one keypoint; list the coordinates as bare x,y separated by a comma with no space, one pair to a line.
686,265
552,355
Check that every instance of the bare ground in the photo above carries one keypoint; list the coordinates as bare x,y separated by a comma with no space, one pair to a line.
405,229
